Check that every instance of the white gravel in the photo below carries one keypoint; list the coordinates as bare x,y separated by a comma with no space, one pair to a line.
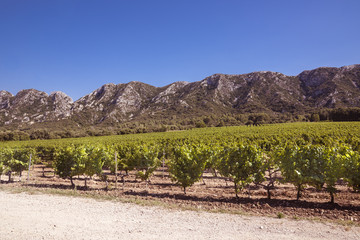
24,216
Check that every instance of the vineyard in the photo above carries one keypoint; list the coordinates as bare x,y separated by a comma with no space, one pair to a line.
318,164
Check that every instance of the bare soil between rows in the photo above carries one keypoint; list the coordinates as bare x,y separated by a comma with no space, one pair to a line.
212,194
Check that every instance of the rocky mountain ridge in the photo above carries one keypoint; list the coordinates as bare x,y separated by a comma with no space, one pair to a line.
265,91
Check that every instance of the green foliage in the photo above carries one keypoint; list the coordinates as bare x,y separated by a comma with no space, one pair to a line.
325,167
82,160
147,161
315,117
243,164
15,160
271,169
70,161
341,114
5,157
64,162
126,157
311,164
275,134
333,168
316,154
280,215
187,165
294,167
352,168
2,168
211,156
96,158
20,161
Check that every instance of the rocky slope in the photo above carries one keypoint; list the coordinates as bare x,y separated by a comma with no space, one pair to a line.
30,105
220,93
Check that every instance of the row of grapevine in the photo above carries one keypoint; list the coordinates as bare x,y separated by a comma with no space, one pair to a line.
15,161
312,133
309,159
89,160
320,166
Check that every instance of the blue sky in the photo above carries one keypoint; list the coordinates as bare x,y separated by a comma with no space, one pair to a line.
76,46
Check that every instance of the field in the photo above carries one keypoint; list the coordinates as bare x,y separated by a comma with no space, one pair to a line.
159,178
288,131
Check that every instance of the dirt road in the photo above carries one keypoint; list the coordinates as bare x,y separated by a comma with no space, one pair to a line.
24,216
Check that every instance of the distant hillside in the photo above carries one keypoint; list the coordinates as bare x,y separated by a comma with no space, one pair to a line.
138,105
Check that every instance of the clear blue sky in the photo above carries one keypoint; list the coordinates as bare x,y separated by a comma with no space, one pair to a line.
76,46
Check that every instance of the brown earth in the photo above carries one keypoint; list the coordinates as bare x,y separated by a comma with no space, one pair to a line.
212,194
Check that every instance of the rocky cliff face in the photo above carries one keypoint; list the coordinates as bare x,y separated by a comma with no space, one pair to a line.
216,94
30,106
5,99
332,87
114,102
259,90
62,104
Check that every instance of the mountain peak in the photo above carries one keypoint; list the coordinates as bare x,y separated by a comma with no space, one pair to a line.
5,97
30,96
213,80
31,91
350,67
6,94
316,77
134,82
58,96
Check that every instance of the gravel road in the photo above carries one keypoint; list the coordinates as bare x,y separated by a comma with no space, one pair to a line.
24,216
